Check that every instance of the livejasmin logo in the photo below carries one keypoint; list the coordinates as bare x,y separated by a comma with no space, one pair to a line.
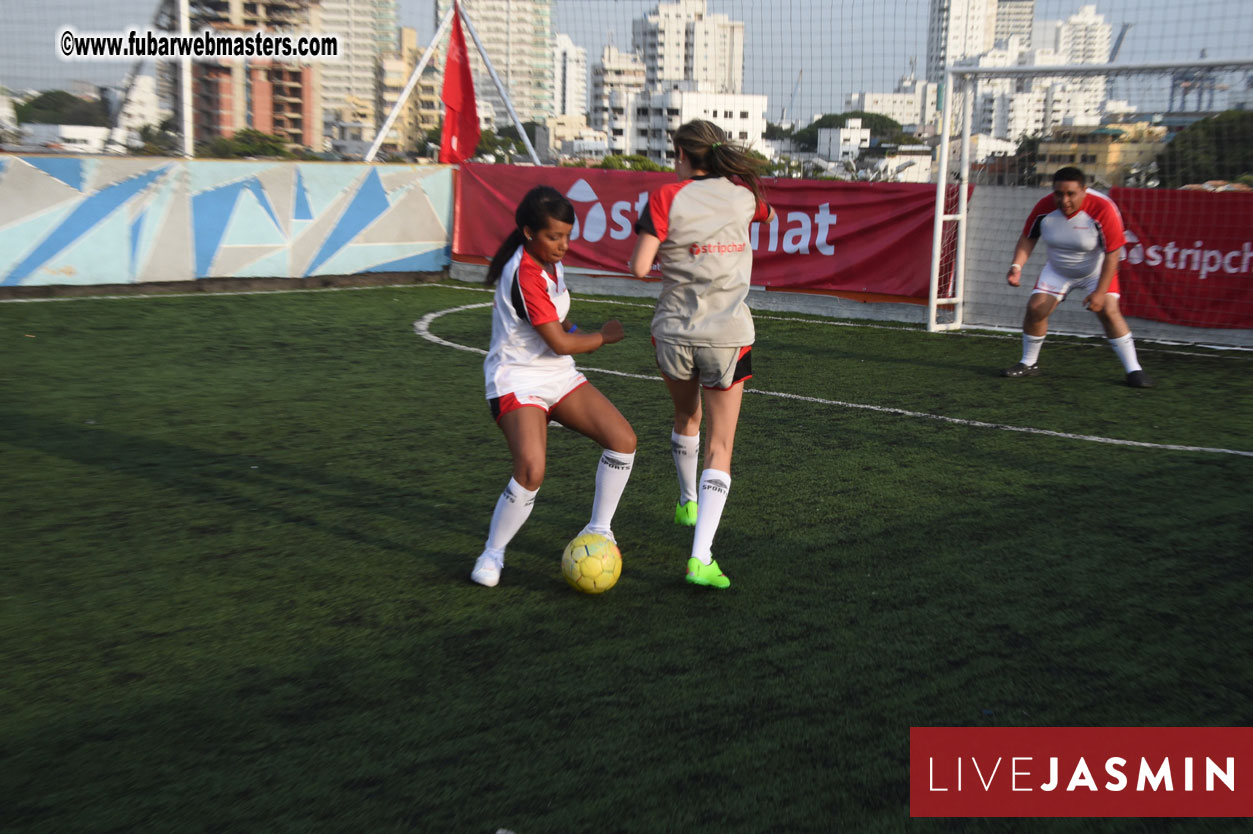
1080,771
797,233
1152,777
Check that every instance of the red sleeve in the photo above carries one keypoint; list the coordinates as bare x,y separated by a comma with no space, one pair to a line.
656,219
763,212
1042,209
1105,214
530,293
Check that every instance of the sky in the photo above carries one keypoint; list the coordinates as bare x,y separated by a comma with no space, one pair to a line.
836,46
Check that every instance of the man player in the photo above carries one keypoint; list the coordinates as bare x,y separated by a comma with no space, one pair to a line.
1084,233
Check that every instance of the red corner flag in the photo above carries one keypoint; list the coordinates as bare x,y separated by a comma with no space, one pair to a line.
460,135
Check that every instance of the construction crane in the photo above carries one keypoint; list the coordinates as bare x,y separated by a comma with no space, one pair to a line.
792,101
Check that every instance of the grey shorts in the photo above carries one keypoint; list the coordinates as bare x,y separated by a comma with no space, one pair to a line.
715,367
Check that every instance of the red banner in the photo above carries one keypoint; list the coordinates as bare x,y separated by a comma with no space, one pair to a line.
1080,771
1189,257
833,236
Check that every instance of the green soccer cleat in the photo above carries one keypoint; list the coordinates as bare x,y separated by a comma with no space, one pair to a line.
685,514
710,575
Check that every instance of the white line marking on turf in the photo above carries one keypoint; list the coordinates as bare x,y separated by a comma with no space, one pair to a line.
422,327
1221,352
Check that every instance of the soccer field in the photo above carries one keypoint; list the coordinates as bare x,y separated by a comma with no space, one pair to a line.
239,529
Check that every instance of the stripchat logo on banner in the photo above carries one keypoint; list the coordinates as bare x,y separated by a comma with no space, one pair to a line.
1081,772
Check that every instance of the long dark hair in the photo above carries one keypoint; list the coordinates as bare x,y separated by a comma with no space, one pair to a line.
710,149
541,204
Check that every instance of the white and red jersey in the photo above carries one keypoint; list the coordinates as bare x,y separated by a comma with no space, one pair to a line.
706,260
1077,244
527,296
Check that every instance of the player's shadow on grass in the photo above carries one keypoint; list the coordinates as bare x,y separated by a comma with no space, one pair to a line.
284,493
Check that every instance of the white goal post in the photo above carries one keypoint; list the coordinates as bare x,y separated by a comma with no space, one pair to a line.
947,296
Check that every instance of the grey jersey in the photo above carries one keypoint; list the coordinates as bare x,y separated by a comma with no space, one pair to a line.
706,260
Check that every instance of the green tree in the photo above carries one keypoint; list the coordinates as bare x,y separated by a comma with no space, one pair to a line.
246,143
510,132
159,140
57,107
1217,148
1026,155
882,128
774,131
632,162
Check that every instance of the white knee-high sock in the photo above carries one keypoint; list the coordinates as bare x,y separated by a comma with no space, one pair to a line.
612,474
1031,349
1126,350
714,488
513,507
686,451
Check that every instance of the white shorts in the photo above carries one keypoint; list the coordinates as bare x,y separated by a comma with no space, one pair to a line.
1051,282
719,368
534,390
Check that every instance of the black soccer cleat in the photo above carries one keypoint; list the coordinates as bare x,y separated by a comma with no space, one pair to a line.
1139,379
1021,370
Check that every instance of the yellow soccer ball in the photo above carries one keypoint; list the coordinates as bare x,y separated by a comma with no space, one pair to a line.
591,563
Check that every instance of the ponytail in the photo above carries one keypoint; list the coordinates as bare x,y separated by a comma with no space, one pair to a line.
710,149
502,256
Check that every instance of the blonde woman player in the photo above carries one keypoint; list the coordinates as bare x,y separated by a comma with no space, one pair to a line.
697,229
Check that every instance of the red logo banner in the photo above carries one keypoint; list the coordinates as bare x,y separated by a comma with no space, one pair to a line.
1189,257
1080,771
853,237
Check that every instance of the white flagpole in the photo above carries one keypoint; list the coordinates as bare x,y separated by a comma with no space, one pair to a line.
500,88
413,82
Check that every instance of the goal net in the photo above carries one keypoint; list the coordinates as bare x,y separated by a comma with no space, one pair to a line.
1172,144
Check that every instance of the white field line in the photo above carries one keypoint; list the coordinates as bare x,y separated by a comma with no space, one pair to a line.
1220,352
422,327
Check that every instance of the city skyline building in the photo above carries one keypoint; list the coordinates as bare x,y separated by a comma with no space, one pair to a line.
958,30
394,69
1015,17
681,41
569,77
367,30
267,95
518,38
615,77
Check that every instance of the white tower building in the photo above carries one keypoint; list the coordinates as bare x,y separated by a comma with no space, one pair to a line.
367,31
958,30
682,42
518,37
569,77
615,78
1015,17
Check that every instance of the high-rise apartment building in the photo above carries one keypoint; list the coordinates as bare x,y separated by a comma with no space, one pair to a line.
958,30
569,78
681,41
1015,17
518,38
1085,37
367,31
394,70
615,78
263,94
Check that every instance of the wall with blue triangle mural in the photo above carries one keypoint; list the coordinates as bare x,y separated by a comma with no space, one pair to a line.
93,220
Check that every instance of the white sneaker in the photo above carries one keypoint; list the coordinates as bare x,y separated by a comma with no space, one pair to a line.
487,568
606,533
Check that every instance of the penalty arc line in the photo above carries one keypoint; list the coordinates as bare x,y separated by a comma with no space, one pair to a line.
422,327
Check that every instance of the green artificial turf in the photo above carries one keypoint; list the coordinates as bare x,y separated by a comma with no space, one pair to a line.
234,592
